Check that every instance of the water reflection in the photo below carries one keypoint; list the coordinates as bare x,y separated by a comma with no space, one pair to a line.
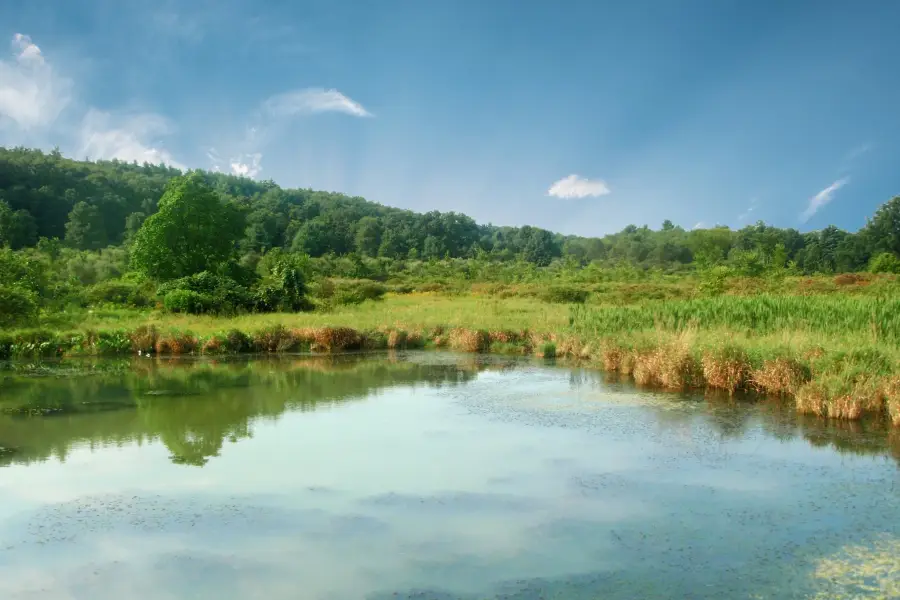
430,476
192,406
195,406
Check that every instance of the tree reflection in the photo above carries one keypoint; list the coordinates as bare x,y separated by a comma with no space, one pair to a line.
192,407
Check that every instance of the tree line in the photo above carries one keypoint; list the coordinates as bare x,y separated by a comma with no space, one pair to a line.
46,198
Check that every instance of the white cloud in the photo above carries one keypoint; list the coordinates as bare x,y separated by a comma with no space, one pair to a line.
822,198
699,225
311,101
26,50
247,165
32,94
574,186
129,138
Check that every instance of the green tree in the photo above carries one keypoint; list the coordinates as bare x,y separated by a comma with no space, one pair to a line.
17,228
85,229
133,224
368,236
433,248
883,229
193,231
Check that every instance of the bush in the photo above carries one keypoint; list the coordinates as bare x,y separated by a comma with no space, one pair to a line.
221,294
885,263
118,292
17,306
564,295
337,292
187,301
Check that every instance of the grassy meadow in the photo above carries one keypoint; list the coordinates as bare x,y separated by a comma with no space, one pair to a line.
831,346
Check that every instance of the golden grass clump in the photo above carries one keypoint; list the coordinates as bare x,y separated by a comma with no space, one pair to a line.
891,394
335,339
726,368
645,367
568,346
841,400
274,339
144,338
780,376
612,356
506,336
176,343
470,340
812,399
213,345
396,339
676,367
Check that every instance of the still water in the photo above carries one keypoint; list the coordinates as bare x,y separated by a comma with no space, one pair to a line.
428,475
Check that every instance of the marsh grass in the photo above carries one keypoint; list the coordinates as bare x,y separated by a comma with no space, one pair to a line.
837,355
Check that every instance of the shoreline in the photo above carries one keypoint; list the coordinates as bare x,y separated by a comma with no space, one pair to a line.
839,384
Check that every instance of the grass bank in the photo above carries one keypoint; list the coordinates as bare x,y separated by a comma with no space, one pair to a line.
836,356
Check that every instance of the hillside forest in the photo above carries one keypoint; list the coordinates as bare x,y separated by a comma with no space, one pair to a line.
79,232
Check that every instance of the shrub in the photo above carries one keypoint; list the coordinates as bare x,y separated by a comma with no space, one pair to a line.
564,295
187,301
885,262
222,294
118,292
17,306
341,292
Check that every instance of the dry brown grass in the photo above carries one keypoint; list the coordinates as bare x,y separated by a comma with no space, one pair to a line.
644,367
726,368
812,399
396,339
143,339
335,339
781,376
176,343
612,357
507,336
470,340
860,399
213,345
891,393
678,368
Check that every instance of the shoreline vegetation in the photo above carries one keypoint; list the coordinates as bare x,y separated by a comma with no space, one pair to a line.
834,356
109,258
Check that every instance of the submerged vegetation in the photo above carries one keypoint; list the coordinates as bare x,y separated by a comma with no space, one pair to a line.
110,258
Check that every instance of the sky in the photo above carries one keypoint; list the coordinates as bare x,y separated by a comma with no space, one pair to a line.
577,116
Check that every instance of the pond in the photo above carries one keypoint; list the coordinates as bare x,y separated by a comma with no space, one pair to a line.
428,475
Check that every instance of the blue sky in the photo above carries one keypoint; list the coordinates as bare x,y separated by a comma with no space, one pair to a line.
581,117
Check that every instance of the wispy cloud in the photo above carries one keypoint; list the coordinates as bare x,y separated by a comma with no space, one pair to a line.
822,198
858,151
311,101
575,186
744,215
248,165
32,98
32,94
699,225
129,138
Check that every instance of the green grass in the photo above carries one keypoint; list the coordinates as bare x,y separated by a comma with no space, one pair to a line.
875,317
837,353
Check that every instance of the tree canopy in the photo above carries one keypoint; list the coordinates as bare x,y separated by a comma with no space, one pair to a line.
193,231
92,205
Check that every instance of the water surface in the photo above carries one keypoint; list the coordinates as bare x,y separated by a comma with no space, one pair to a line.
428,475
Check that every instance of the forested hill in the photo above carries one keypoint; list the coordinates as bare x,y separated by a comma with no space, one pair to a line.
92,205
